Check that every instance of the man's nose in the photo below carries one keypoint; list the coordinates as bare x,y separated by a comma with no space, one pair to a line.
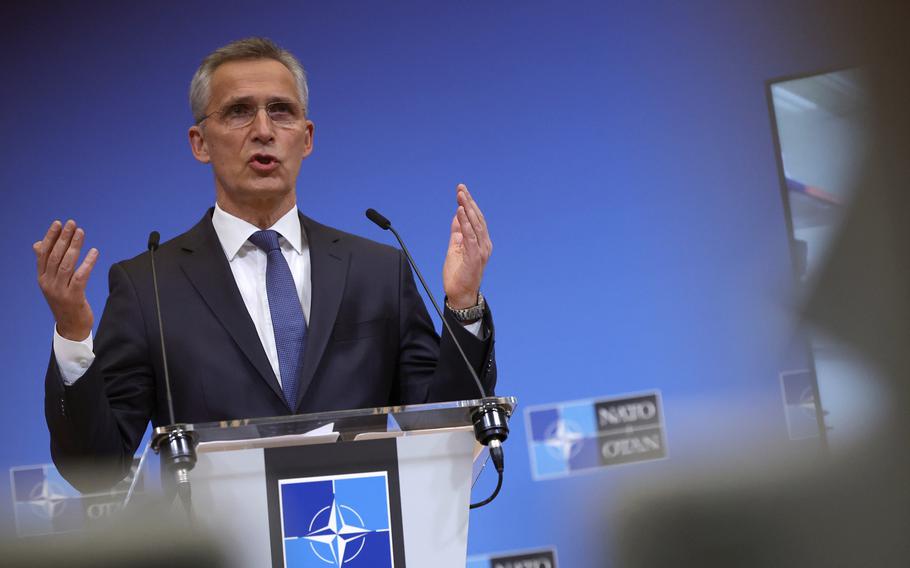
262,127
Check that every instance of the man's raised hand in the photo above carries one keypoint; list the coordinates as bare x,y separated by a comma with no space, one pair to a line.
470,248
62,284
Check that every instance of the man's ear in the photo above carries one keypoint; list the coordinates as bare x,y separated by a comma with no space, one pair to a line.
197,144
309,129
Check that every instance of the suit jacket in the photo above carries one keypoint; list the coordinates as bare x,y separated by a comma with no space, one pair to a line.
370,342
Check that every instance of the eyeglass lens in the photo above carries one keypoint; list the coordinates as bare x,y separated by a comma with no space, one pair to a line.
279,112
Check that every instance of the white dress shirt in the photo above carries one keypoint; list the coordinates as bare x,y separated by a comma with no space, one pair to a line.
248,264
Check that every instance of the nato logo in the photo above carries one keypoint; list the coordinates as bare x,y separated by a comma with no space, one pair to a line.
44,503
338,520
521,559
586,435
798,390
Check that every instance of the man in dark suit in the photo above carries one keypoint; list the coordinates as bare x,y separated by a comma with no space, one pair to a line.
266,312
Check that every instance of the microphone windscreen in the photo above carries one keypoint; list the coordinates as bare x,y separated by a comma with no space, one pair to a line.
375,217
154,239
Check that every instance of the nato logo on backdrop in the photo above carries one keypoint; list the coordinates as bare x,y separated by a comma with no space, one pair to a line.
44,503
585,435
339,520
545,558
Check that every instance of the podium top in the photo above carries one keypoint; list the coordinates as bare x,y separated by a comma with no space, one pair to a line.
349,423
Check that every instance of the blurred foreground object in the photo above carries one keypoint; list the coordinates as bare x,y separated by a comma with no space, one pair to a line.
152,539
853,510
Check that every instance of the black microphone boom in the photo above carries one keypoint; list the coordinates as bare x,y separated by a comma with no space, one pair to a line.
154,238
491,427
385,224
175,442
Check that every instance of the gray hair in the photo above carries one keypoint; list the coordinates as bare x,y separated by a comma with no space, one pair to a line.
249,48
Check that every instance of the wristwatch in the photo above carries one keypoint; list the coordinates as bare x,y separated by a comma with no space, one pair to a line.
473,313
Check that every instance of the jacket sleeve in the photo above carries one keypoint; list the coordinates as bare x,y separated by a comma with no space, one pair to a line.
97,423
431,369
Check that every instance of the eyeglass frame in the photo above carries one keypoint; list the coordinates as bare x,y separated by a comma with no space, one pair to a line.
253,116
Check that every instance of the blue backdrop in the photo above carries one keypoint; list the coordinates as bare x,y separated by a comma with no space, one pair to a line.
622,153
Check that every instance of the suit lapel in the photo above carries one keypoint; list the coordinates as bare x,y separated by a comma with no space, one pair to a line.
207,268
329,265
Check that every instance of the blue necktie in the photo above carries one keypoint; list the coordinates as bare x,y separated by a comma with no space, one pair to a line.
288,322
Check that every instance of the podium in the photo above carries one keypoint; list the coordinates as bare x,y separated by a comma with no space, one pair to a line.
374,487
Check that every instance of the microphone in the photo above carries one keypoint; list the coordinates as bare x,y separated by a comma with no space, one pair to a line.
491,427
385,224
154,238
175,442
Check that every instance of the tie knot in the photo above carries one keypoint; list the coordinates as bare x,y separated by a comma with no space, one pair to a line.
265,240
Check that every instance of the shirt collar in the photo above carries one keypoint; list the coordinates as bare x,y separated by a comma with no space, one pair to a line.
233,232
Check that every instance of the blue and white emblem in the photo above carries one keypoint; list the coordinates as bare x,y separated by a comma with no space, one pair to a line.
586,435
44,503
339,520
562,439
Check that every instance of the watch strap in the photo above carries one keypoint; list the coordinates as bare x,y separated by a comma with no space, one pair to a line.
471,313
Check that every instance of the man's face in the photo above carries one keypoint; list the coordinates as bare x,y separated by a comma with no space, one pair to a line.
256,164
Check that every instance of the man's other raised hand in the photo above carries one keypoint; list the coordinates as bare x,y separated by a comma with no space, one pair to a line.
61,282
470,248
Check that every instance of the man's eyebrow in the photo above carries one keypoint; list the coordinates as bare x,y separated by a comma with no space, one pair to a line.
248,99
278,99
235,100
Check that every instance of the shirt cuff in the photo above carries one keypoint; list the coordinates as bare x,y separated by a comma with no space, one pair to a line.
73,357
472,327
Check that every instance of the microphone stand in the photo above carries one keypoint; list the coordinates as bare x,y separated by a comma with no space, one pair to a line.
175,443
491,426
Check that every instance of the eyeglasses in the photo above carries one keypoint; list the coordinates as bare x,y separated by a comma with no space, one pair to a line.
237,115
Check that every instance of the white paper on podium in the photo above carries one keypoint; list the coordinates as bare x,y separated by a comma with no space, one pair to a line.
321,435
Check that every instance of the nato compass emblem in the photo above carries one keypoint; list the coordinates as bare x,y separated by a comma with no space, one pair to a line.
562,439
585,435
44,502
48,499
339,520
